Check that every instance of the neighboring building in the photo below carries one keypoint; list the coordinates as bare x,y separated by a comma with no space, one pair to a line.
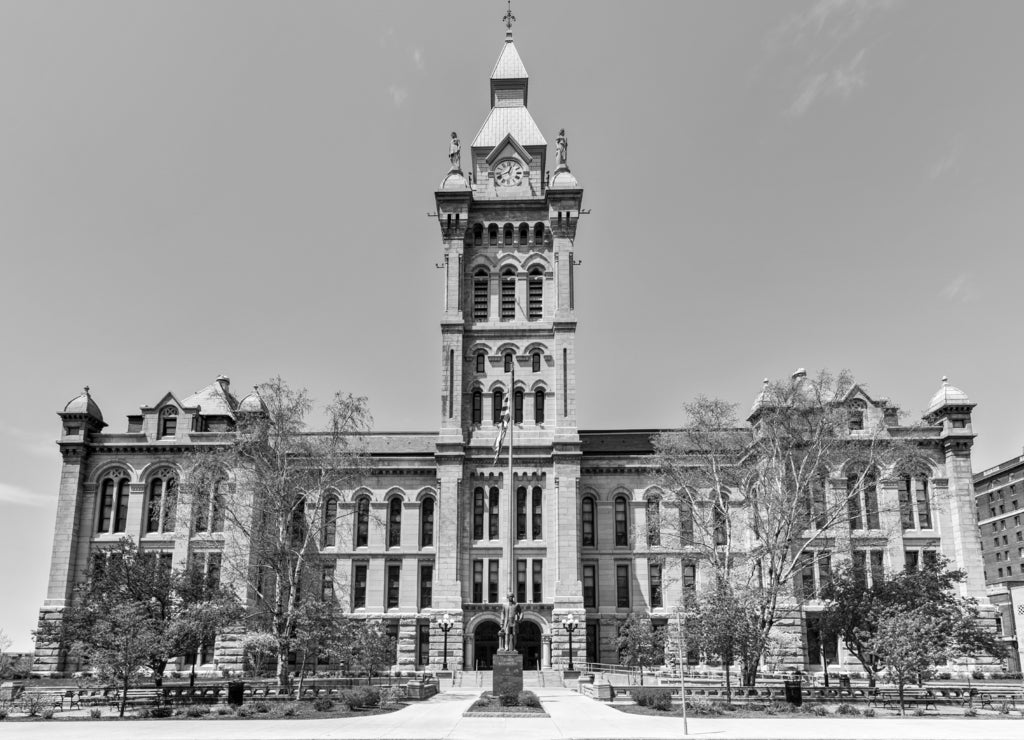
581,499
999,498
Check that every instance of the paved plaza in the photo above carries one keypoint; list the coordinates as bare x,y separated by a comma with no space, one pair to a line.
572,716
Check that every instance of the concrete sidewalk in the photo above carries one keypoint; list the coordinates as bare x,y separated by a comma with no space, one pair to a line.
572,716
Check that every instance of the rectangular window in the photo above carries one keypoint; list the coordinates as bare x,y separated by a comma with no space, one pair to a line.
655,576
588,522
106,506
426,586
478,581
818,650
327,583
394,581
877,567
590,585
538,405
690,577
521,581
478,514
517,407
924,509
538,581
423,644
911,559
492,581
492,515
121,522
622,586
592,642
538,514
359,586
168,426
521,513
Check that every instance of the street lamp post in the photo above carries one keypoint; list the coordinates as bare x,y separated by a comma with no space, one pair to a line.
445,623
569,624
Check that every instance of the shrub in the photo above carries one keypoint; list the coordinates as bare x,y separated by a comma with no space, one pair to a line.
656,698
160,712
847,710
919,712
869,712
223,710
349,697
243,711
290,710
196,710
819,711
261,707
703,707
47,714
390,696
943,676
1004,708
970,712
508,700
95,713
32,705
143,713
3,714
366,696
977,675
323,704
528,699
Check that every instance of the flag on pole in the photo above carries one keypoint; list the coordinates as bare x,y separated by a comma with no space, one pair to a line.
506,418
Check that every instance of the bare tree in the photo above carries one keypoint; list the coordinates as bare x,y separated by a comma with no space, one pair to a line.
284,502
755,502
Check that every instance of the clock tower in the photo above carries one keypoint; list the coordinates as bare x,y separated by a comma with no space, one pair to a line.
508,227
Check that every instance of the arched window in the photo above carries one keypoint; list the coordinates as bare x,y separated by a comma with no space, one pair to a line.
113,503
497,405
518,406
535,362
162,503
538,233
492,234
653,522
508,294
521,513
362,521
480,290
538,406
168,421
855,414
330,527
427,522
508,234
478,407
536,294
862,500
915,503
538,514
298,523
621,521
589,522
481,359
395,522
478,235
478,514
524,233
685,512
508,362
492,515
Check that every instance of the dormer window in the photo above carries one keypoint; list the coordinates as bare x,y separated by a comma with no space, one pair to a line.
72,430
855,415
168,421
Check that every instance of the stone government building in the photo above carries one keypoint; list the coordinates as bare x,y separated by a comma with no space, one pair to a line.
582,498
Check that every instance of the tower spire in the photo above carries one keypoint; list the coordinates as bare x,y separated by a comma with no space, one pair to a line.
509,19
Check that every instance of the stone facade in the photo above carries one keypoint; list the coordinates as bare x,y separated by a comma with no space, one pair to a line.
564,525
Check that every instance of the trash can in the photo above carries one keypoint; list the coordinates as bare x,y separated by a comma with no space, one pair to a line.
236,693
794,691
844,681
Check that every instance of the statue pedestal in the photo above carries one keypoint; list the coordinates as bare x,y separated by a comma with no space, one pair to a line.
507,679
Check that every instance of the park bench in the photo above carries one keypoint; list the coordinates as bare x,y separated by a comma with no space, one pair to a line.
911,697
1007,697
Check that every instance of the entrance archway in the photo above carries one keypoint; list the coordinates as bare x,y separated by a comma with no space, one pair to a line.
485,645
529,645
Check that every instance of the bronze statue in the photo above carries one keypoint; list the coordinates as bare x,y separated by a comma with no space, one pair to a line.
562,149
511,615
455,153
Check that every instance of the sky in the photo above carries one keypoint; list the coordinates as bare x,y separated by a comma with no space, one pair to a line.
196,188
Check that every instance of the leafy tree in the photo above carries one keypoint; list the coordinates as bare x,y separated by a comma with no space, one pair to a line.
371,650
322,630
275,512
854,612
5,660
639,644
725,626
259,647
753,501
908,643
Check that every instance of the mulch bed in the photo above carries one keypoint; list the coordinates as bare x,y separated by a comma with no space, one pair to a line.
489,705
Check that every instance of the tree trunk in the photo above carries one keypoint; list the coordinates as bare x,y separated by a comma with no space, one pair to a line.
902,711
728,684
192,676
124,695
302,674
641,674
282,668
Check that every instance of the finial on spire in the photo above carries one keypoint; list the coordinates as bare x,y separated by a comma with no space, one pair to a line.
945,380
86,389
509,19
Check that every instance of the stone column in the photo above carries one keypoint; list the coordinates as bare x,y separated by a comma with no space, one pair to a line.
545,650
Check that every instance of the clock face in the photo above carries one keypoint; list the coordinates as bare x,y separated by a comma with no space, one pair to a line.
508,172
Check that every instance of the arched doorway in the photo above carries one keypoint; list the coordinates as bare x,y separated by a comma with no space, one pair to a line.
529,645
485,645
